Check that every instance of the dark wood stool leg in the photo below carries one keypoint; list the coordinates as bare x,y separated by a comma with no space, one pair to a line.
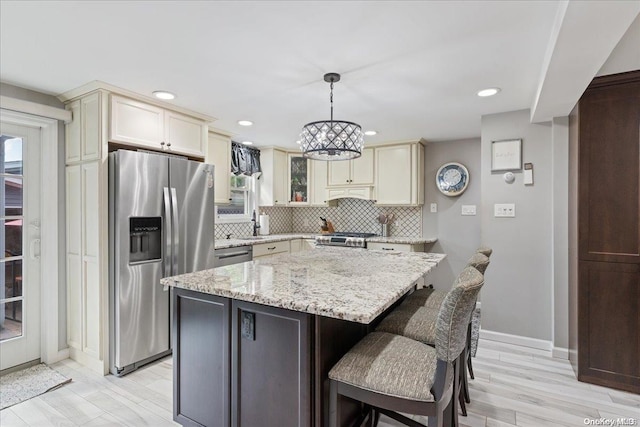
334,412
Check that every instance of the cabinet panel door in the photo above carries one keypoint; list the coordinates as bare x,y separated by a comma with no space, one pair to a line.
362,168
72,133
298,179
609,321
393,175
184,134
201,364
319,182
136,123
280,178
339,172
91,129
219,155
271,376
610,174
74,256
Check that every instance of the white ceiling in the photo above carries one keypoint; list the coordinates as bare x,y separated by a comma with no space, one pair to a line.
409,69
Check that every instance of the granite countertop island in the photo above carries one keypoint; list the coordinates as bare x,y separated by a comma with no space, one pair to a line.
343,283
253,342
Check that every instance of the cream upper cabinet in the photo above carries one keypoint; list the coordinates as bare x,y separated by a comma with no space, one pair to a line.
184,134
319,182
353,172
83,133
399,174
136,123
362,168
273,181
299,179
144,125
219,154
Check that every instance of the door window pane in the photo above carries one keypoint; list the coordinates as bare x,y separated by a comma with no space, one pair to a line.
11,150
11,196
12,239
10,320
11,271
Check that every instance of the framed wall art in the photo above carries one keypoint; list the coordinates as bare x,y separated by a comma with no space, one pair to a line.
506,155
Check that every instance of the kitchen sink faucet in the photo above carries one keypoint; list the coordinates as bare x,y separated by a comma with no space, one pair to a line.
255,223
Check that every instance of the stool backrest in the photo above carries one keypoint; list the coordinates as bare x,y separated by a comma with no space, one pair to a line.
479,261
454,314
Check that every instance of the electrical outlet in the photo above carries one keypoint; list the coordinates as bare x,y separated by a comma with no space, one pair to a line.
434,207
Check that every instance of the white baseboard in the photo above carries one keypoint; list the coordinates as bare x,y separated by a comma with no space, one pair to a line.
560,353
516,340
82,358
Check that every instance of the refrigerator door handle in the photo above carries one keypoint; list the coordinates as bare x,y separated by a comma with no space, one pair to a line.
176,237
169,233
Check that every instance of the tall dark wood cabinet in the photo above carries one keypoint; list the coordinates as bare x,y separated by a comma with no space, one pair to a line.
606,127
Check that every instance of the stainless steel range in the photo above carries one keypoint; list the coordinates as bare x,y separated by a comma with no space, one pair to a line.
354,240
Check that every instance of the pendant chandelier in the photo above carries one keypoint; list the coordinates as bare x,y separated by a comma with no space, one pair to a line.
331,139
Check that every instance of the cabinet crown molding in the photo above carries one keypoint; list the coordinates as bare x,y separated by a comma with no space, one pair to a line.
100,85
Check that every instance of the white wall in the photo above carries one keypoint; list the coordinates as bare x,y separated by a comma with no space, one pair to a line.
458,236
517,296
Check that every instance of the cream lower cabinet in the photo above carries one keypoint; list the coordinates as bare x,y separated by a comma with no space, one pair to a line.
87,286
268,249
219,155
399,174
140,124
396,247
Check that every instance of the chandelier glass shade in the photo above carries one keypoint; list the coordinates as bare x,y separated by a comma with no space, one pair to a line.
331,139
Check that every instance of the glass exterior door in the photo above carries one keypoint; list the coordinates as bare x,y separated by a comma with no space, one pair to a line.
19,240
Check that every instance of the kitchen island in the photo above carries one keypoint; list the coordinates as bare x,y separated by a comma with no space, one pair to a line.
253,342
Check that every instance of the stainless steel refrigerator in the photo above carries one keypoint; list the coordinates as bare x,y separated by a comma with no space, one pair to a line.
161,223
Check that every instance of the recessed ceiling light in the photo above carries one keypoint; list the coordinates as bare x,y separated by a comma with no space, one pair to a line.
371,133
245,122
247,142
163,94
489,92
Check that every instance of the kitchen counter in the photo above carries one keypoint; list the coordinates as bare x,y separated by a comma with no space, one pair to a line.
343,283
402,240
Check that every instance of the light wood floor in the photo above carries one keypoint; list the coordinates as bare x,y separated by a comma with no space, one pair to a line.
513,386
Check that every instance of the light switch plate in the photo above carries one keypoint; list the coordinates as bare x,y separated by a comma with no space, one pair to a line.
504,210
468,210
434,207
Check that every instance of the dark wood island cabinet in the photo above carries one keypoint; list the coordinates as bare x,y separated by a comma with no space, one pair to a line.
253,342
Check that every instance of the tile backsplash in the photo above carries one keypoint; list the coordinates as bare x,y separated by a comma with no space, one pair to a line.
349,215
359,216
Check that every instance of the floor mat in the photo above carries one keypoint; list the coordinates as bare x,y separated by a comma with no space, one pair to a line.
23,385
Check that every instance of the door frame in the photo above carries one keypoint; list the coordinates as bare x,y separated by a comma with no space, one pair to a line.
49,253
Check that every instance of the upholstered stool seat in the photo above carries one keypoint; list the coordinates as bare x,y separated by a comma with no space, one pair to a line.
391,365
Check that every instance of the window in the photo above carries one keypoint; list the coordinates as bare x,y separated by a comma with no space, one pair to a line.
242,199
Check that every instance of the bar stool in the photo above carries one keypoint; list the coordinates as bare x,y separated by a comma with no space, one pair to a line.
416,318
391,373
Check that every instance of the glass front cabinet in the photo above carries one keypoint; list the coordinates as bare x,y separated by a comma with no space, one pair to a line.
298,180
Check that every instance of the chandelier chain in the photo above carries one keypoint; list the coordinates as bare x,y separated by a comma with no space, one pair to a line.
331,99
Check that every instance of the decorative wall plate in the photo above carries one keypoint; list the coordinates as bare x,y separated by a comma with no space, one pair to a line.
452,179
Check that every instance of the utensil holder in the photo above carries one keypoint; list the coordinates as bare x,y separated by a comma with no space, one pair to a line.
385,230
